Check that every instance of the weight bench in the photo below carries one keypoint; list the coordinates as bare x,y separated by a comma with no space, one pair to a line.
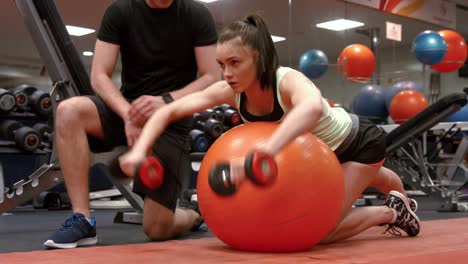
412,145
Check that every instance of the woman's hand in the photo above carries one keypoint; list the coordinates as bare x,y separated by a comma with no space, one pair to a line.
129,162
237,170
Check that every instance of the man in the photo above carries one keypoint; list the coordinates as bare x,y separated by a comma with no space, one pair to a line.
163,45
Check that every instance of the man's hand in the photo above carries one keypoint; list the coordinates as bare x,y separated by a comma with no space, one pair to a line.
143,107
132,131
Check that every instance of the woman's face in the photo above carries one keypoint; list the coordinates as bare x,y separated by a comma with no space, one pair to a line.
238,63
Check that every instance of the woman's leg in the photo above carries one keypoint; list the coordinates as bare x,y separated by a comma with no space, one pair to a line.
357,177
353,221
358,220
386,180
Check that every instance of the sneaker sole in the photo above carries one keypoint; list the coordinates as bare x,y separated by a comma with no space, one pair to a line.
403,198
82,242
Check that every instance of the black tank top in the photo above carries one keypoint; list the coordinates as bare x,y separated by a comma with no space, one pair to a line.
274,116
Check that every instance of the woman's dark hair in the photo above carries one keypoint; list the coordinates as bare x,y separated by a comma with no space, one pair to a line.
254,32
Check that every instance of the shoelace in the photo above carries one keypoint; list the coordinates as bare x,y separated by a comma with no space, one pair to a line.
69,223
392,230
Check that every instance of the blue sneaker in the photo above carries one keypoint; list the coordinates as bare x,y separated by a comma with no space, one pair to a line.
75,232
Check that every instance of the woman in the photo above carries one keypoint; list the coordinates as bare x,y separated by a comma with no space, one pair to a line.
263,91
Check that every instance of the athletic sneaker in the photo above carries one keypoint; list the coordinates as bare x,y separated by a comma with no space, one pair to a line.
413,205
406,220
75,231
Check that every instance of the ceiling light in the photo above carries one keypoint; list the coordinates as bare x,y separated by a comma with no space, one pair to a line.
277,38
207,1
79,31
88,53
340,24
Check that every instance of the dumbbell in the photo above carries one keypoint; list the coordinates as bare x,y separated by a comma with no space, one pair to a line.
211,127
151,172
7,101
26,138
205,115
199,141
259,167
231,116
45,132
30,97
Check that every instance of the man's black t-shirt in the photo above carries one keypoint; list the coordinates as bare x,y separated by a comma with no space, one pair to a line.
157,45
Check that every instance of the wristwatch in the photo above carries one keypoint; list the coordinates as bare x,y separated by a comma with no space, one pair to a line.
167,98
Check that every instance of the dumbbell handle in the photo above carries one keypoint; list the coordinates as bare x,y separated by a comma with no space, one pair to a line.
259,167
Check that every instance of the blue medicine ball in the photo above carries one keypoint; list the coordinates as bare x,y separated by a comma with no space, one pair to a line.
429,47
398,87
459,116
313,63
369,102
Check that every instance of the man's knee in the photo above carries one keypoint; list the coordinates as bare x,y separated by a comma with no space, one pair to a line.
72,108
78,112
160,228
158,220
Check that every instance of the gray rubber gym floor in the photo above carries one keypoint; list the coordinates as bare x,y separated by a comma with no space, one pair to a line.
25,229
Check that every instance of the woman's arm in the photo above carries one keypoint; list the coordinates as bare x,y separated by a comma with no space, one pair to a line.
216,94
305,101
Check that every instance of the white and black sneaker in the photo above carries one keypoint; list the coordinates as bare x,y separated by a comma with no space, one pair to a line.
413,205
406,219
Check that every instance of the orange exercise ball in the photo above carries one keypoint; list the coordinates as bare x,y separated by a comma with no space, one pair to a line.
293,214
456,52
407,104
356,62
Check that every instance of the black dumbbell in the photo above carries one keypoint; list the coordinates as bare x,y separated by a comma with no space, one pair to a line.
259,167
26,138
223,107
22,93
30,97
199,141
205,115
7,101
45,132
211,127
231,116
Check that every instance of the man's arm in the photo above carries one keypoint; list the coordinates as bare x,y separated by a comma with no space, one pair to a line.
104,61
208,71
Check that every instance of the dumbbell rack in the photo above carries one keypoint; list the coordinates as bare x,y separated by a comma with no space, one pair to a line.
43,178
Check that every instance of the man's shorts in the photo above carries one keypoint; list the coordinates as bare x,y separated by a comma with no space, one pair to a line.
172,149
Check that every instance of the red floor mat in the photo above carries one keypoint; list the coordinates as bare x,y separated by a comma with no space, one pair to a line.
441,241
